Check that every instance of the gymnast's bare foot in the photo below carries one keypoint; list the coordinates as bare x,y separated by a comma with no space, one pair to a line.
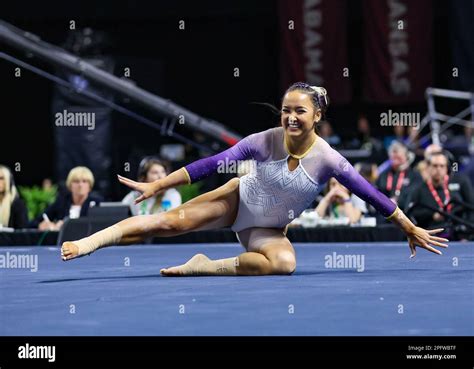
194,266
69,251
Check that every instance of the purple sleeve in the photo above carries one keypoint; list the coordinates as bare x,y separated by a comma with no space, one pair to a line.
345,173
203,168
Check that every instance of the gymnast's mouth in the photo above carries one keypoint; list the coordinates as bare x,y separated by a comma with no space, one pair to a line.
293,125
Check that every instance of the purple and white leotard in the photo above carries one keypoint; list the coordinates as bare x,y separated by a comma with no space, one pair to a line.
271,195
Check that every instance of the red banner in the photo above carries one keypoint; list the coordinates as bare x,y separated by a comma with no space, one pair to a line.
314,46
398,63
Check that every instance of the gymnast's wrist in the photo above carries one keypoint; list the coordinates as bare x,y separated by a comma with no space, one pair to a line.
401,220
158,185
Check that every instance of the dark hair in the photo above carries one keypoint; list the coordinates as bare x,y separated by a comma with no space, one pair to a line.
147,163
319,95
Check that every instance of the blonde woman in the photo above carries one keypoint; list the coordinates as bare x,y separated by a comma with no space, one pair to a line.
74,204
13,211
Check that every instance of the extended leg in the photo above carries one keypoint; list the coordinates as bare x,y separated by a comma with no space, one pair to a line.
214,209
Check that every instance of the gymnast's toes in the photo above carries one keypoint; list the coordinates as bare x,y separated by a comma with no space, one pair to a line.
194,266
69,251
170,272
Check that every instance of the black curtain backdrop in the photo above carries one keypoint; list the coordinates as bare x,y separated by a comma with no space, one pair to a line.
88,145
461,31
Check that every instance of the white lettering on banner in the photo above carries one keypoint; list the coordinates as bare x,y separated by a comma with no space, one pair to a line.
398,48
312,21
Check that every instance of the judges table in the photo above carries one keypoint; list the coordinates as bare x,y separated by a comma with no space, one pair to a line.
380,233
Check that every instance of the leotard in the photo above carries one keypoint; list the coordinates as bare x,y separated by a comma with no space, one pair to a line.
271,195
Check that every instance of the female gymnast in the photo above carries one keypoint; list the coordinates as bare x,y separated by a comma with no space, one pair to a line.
292,164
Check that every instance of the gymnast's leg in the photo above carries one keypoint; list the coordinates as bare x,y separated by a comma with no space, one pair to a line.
215,209
268,252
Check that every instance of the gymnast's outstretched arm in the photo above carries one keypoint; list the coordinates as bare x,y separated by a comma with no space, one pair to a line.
200,169
345,173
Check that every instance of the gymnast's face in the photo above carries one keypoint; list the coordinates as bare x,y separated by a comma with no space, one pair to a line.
298,115
155,172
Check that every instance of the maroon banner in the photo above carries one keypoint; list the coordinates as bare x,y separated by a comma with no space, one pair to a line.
314,46
398,63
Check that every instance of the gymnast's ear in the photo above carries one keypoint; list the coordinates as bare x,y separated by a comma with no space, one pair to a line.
318,115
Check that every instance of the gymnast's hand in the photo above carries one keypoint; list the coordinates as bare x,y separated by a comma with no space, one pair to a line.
418,236
424,238
147,189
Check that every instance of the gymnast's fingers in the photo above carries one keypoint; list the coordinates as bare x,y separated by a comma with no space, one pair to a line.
434,231
432,249
128,182
140,199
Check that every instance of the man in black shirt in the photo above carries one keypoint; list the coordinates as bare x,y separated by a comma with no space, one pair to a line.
440,191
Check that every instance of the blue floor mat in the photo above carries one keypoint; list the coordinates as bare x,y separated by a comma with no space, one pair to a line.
337,290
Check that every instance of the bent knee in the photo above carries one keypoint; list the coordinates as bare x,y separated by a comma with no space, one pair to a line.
283,262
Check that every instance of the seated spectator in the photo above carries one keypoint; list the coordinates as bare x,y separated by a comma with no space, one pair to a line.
339,202
13,212
364,140
440,191
422,166
150,170
399,178
73,204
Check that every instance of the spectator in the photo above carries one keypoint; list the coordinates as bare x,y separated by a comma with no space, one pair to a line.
339,202
325,131
364,139
47,184
440,191
397,180
74,203
422,166
13,212
150,170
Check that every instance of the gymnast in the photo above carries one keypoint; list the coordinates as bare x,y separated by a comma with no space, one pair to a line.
292,165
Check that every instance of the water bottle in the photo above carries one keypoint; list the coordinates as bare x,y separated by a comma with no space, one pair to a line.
166,205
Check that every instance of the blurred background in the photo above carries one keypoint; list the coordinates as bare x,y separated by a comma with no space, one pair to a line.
221,60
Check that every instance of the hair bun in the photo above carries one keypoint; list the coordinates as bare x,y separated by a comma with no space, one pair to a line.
322,96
